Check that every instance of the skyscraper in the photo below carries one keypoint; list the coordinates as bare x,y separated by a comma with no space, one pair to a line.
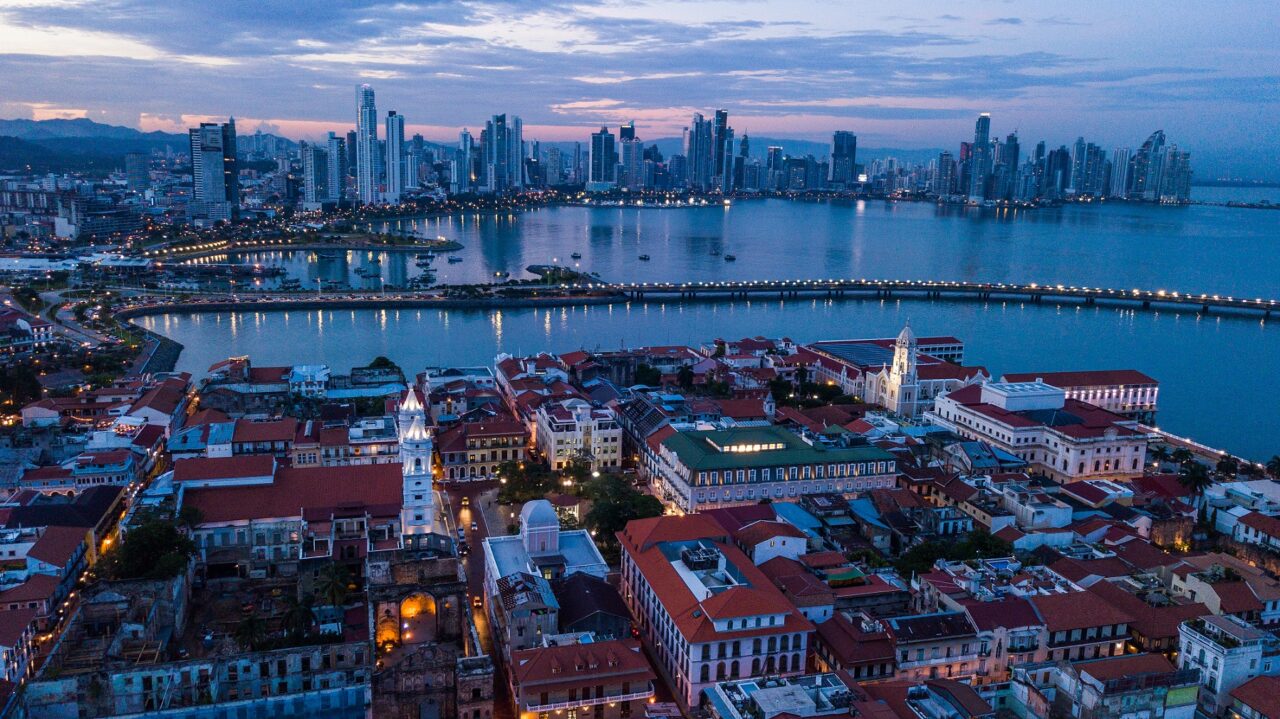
1147,165
395,158
981,158
699,153
215,178
503,154
315,175
725,171
721,147
1120,172
844,152
137,171
337,149
603,161
366,146
464,177
1075,185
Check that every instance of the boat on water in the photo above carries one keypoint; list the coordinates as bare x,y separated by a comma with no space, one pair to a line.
644,258
454,260
576,255
428,256
730,258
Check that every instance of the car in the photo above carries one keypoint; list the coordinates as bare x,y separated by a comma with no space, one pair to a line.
474,526
464,549
477,601
466,501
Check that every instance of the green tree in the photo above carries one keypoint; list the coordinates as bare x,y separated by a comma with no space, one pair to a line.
154,550
1159,454
251,631
685,377
1181,455
299,615
648,375
381,362
1273,466
1228,465
332,584
524,481
614,502
1195,478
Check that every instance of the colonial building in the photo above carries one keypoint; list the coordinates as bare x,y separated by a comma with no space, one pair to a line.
574,430
1127,392
1066,439
601,680
705,469
705,610
475,450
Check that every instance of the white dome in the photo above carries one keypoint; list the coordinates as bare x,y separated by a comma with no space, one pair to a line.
539,514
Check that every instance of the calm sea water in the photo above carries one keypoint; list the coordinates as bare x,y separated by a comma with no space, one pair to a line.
1206,365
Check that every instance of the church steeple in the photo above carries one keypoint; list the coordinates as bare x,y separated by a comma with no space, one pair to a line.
417,512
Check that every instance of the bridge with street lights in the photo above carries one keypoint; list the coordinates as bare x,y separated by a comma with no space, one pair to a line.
934,289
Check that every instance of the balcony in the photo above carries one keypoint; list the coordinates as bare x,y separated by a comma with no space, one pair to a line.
612,698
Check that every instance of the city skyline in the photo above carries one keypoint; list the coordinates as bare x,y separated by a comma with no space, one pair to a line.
914,79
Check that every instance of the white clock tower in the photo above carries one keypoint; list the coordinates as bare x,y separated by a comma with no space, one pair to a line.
417,513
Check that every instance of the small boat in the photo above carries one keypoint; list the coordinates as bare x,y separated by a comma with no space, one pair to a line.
644,258
428,256
730,258
454,260
576,255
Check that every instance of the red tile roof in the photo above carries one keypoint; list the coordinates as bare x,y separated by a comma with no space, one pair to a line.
57,545
1153,623
295,490
14,623
37,588
1125,666
850,645
1261,694
1011,613
1087,378
1077,610
1268,525
759,532
580,665
205,468
268,430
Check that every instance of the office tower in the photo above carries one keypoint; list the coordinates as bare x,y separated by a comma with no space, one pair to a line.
632,167
945,184
555,167
627,132
844,151
1175,180
775,168
576,172
349,169
720,149
367,149
503,149
336,147
395,158
981,160
464,174
603,160
1147,165
1121,166
1075,185
137,171
415,156
724,174
215,180
699,154
315,175
515,153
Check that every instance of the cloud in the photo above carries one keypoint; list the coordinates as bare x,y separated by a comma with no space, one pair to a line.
1005,21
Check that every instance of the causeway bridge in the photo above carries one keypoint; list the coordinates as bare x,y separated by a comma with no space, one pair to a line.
937,289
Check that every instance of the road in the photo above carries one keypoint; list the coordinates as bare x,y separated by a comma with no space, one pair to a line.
479,496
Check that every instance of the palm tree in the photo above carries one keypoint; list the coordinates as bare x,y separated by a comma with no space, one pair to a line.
251,631
1228,465
299,615
1160,454
332,583
1273,466
1181,455
1195,478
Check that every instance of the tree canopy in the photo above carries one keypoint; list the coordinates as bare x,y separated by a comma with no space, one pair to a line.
155,550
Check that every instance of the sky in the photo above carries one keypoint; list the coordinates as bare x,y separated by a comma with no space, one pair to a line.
899,74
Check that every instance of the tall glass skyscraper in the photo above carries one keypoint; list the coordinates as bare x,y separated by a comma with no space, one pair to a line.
215,177
981,158
395,158
366,146
844,154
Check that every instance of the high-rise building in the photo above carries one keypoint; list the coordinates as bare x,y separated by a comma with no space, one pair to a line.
1175,180
725,172
844,152
315,175
337,150
699,152
627,132
367,153
721,148
603,161
503,149
1148,163
632,163
137,171
1075,185
1120,172
215,177
945,183
395,158
464,174
981,160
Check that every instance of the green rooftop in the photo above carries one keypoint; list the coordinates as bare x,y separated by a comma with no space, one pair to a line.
747,447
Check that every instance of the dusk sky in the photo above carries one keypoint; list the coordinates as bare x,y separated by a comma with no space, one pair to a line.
899,74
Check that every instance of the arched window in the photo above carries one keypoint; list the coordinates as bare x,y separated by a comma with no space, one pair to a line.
755,646
755,666
773,644
705,675
734,670
786,642
720,671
